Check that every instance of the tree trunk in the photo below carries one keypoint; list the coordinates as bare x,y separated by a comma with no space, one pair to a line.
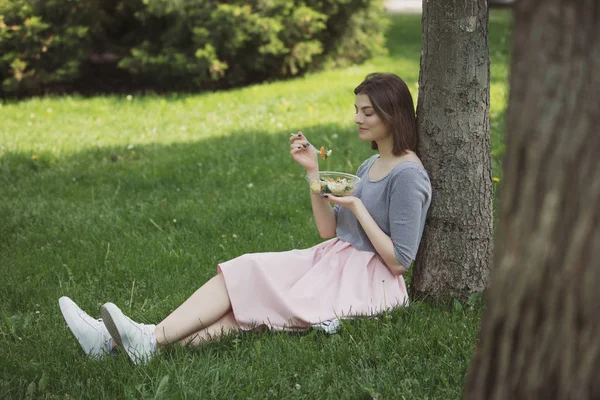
540,335
454,144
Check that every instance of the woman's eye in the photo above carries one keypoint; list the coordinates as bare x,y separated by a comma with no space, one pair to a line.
368,115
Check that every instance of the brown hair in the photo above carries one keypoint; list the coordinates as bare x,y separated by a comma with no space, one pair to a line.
393,103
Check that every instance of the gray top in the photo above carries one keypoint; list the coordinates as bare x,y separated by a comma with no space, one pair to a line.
398,202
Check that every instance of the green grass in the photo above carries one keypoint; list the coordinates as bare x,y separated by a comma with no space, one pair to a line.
135,201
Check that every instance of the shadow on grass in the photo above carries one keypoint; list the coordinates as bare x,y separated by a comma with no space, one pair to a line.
145,227
125,213
181,204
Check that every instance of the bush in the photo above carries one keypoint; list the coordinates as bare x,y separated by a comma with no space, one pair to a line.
44,42
185,44
242,41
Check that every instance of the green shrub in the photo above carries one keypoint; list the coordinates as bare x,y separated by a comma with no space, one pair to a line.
44,42
243,41
189,44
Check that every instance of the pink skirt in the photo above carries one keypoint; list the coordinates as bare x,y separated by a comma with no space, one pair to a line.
293,290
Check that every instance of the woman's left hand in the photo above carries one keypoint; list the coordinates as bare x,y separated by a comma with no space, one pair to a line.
350,202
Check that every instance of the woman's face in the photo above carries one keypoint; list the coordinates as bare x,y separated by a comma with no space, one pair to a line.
370,126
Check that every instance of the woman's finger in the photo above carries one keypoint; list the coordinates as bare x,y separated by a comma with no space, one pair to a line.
296,150
297,136
296,147
340,201
299,143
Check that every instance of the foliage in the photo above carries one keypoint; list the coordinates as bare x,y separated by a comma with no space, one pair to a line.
44,42
185,44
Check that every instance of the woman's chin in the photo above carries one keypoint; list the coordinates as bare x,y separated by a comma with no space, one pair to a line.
364,136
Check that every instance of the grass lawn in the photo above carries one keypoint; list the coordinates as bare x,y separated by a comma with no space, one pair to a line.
135,199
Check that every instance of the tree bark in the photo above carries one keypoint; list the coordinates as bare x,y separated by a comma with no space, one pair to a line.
540,335
454,144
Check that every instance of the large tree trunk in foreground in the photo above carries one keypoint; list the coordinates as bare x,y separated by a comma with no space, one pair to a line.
454,144
540,336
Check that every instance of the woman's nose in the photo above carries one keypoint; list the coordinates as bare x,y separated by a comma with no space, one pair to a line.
358,119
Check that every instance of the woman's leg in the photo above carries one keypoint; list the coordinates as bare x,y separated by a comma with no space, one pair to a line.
226,325
201,310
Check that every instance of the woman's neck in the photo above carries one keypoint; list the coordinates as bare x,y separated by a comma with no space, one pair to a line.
386,155
385,149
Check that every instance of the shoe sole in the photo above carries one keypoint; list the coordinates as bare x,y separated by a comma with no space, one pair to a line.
107,317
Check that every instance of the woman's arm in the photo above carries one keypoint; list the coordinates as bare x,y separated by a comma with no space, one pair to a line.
306,155
383,243
408,193
323,213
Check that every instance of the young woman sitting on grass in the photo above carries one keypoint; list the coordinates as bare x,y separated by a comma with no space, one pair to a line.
356,273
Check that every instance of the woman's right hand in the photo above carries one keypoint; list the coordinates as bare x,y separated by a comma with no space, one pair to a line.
303,152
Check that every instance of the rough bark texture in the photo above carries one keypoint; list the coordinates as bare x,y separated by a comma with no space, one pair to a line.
454,143
540,336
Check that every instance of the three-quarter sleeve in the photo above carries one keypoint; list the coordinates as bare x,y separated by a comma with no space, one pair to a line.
409,192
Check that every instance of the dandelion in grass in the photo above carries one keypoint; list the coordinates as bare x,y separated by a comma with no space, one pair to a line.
34,157
496,179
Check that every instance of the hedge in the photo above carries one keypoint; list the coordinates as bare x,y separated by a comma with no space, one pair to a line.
182,44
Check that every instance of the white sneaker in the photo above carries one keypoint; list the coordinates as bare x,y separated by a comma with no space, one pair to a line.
91,334
138,340
331,326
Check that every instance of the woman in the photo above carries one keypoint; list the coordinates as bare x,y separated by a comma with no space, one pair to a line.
357,273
